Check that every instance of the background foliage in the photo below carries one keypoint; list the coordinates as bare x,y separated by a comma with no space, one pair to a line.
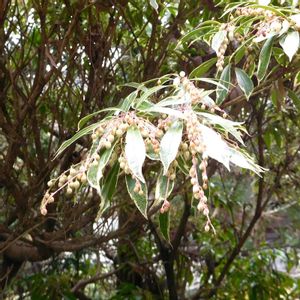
60,61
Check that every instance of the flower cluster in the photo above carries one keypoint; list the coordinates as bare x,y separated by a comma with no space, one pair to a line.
107,137
150,133
196,148
196,97
123,164
255,12
194,133
229,36
103,137
250,57
195,94
70,180
198,191
270,24
184,148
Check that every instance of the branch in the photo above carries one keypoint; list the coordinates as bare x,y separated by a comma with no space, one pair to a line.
82,283
167,257
181,228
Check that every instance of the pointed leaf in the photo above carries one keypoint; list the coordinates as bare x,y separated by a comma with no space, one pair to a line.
239,54
215,146
135,152
139,200
164,225
211,81
244,81
225,80
85,119
163,110
148,93
174,100
108,187
146,104
264,2
208,101
170,143
154,4
204,27
164,187
264,58
218,39
95,173
290,44
295,99
203,68
129,101
230,126
270,8
238,158
77,136
296,19
184,168
151,154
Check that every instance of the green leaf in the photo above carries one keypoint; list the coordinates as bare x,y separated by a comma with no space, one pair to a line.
108,187
218,149
135,85
178,99
297,79
225,79
146,95
154,4
218,39
270,8
296,19
184,168
244,82
295,99
205,26
278,136
129,101
139,200
211,81
229,126
264,58
280,56
290,44
164,225
268,139
215,146
173,100
85,119
77,136
95,173
208,101
144,105
170,143
164,187
151,154
238,158
239,54
203,68
264,2
230,8
135,152
165,110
